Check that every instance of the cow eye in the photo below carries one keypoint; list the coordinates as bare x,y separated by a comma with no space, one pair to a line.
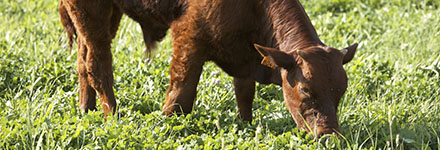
304,90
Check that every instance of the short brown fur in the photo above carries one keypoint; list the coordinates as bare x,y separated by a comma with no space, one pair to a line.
227,32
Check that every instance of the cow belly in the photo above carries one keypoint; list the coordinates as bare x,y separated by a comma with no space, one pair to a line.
235,70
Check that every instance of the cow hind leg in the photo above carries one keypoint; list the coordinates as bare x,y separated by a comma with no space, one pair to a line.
93,22
244,93
87,95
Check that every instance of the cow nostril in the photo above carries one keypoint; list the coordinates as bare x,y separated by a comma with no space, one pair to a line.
320,134
315,114
321,131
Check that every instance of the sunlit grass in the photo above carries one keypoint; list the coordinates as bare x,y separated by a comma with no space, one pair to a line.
392,100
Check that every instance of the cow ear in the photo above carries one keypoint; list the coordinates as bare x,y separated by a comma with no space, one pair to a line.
275,58
349,53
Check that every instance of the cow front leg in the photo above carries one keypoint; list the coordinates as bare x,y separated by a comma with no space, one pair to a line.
244,93
185,71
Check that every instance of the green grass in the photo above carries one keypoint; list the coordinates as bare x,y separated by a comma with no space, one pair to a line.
393,99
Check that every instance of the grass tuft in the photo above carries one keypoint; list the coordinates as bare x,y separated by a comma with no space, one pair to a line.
392,101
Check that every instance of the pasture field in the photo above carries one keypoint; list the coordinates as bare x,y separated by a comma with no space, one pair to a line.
392,102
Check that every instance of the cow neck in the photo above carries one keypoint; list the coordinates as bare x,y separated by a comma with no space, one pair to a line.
292,27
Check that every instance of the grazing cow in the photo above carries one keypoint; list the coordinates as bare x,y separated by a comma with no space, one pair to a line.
268,41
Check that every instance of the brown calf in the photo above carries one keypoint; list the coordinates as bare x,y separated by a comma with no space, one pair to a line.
227,32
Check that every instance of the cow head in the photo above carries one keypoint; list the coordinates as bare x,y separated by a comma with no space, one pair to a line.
313,82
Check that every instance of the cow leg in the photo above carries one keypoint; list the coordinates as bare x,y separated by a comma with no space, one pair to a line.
244,93
93,22
87,95
115,20
185,71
